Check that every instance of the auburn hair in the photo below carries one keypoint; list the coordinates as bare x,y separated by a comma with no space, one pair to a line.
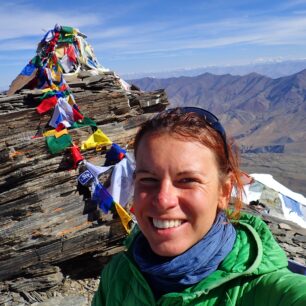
191,126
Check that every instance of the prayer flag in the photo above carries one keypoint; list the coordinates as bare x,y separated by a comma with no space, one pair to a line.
49,133
98,138
60,133
121,187
103,198
96,170
114,154
46,104
76,156
76,115
66,64
293,205
85,177
62,112
57,145
27,74
124,217
71,53
62,125
55,133
28,69
85,122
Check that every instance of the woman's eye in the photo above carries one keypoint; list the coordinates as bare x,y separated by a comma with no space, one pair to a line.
148,180
188,180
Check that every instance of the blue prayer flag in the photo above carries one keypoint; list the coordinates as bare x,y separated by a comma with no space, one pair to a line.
85,177
293,205
114,154
28,69
59,119
103,198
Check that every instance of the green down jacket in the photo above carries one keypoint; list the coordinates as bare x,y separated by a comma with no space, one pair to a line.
253,273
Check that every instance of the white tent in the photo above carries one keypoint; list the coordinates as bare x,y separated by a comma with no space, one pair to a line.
280,201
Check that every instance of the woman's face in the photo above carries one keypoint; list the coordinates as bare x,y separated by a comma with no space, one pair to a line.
177,192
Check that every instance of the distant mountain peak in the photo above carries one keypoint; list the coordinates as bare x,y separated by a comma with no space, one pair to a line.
273,68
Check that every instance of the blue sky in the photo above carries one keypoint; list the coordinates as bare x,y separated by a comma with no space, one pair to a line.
157,35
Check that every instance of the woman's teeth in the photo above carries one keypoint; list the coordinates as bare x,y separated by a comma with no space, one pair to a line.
166,223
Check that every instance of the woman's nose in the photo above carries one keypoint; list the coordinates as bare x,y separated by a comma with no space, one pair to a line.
166,196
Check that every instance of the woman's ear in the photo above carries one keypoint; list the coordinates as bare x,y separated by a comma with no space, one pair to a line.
225,193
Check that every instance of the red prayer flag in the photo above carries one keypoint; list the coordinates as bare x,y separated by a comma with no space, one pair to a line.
46,104
60,127
71,54
76,115
76,156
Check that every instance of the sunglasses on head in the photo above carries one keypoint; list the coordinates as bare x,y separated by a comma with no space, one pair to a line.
210,119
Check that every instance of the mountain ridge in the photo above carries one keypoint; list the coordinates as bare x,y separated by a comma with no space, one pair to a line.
257,110
271,68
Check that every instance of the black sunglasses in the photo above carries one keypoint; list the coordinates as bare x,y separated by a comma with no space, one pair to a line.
211,120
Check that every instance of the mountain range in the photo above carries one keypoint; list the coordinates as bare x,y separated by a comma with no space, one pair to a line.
273,68
261,113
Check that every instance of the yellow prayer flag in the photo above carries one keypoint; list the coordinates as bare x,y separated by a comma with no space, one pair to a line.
46,90
49,133
56,75
55,133
98,138
61,133
124,217
60,51
71,100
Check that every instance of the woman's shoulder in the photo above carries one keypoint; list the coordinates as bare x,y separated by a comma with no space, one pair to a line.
117,264
255,250
120,279
253,226
255,221
281,288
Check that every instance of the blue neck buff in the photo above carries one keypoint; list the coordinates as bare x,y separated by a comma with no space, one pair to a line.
173,274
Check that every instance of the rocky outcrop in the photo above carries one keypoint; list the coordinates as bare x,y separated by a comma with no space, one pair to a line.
45,220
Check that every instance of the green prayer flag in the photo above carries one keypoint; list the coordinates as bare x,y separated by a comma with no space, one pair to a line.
52,93
64,39
36,61
47,94
67,29
57,145
85,122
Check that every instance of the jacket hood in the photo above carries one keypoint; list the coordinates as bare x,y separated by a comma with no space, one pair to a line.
256,250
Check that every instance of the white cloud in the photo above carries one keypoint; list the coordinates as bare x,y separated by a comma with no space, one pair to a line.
18,44
18,19
175,37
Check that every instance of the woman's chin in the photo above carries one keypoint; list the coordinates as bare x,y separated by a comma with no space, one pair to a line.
170,241
168,250
170,247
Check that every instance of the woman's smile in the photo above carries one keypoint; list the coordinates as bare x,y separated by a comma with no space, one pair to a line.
164,224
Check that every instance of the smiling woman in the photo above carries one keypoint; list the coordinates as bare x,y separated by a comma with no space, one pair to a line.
188,247
167,195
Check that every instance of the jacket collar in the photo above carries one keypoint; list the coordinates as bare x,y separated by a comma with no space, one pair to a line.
255,252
